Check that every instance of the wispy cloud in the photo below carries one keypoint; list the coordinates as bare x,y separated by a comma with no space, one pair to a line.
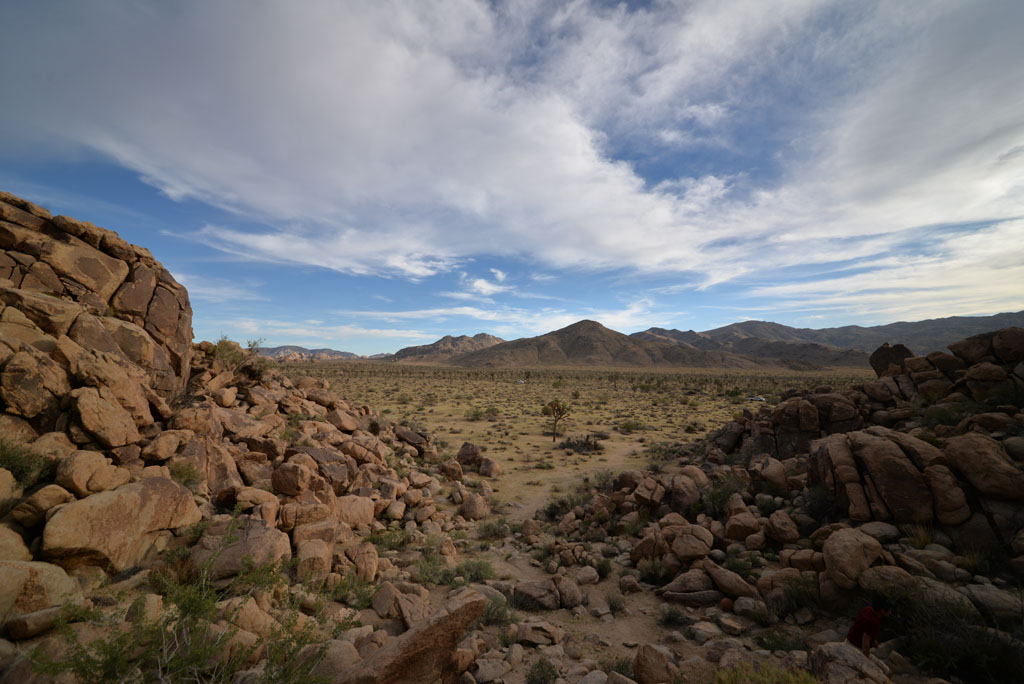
219,290
419,136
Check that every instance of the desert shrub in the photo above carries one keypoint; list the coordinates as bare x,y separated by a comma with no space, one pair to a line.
653,571
582,444
604,480
185,473
920,535
623,665
945,640
541,672
474,414
630,426
603,567
741,566
544,465
390,539
432,569
493,529
766,505
354,592
716,495
762,673
671,616
781,640
183,644
475,570
498,613
616,602
27,467
556,508
228,353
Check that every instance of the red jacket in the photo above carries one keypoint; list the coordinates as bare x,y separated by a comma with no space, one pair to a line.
868,623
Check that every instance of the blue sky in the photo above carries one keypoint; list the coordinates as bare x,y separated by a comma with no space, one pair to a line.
371,175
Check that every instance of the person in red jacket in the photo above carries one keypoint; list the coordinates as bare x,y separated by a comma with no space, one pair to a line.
864,633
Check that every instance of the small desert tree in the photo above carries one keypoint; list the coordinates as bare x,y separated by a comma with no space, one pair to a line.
557,410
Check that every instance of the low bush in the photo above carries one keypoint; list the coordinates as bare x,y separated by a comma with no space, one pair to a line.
541,672
391,540
616,602
781,640
623,665
582,444
27,467
763,673
653,571
672,616
716,495
498,613
946,640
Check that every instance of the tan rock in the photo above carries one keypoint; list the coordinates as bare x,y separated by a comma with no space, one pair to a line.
291,479
32,511
898,481
475,507
12,546
982,461
355,510
32,385
489,467
90,472
27,586
106,420
535,631
848,553
693,543
951,506
100,530
225,551
781,528
741,525
366,560
314,556
728,582
653,664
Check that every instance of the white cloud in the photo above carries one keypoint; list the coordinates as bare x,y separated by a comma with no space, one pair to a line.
499,275
408,138
219,290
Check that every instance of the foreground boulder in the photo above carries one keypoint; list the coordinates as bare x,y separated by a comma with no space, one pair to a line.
117,527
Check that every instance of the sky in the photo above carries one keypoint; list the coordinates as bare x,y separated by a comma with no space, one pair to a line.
367,176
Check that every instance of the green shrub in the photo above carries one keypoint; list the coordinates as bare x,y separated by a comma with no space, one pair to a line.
603,567
541,672
623,665
183,644
390,539
354,592
781,640
630,426
27,467
475,570
716,495
185,473
672,616
498,613
544,465
229,353
493,529
653,571
616,602
582,444
822,505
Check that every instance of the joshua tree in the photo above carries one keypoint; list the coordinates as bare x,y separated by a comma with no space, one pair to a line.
557,409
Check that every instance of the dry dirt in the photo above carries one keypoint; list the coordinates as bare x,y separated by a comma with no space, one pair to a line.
500,411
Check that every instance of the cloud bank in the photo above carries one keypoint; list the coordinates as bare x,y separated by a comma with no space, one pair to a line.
710,140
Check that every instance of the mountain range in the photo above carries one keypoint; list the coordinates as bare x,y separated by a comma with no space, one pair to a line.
748,344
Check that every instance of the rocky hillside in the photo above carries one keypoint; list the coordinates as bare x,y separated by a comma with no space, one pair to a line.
291,352
588,343
149,486
445,349
924,336
787,353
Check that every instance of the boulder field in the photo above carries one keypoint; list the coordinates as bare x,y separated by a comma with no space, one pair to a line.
153,486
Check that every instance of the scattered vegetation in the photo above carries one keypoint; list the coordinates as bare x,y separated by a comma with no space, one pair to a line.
185,473
498,613
716,495
556,409
781,640
27,467
582,444
945,640
748,673
541,672
622,665
616,602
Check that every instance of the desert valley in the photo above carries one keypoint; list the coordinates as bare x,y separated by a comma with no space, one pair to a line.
584,506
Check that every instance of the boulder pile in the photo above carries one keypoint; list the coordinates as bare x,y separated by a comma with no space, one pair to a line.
124,444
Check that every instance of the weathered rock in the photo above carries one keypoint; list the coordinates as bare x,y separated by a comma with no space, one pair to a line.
422,654
32,511
900,484
982,461
474,507
842,663
534,631
27,586
104,418
653,665
728,582
89,472
355,510
848,553
12,546
781,528
96,530
226,545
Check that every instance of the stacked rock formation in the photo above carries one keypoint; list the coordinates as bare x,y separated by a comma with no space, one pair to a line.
121,434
